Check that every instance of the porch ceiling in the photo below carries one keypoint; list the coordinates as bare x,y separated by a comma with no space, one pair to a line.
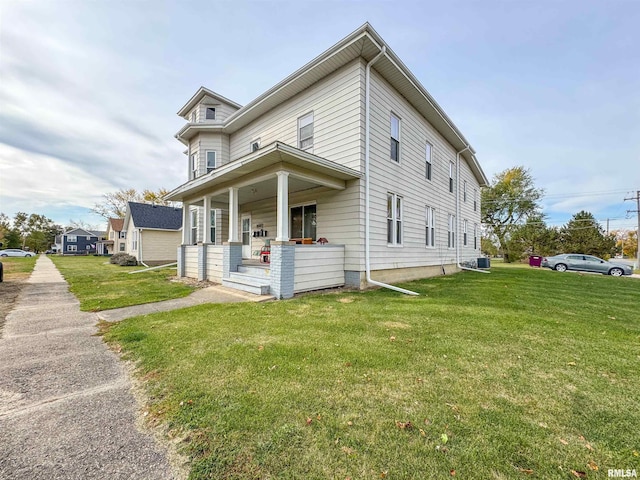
257,171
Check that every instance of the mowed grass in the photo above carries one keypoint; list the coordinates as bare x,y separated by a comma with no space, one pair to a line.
17,268
99,285
524,373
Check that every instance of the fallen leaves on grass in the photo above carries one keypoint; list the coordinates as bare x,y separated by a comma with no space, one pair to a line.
452,472
592,465
563,441
404,425
348,450
579,474
571,364
392,338
528,471
309,421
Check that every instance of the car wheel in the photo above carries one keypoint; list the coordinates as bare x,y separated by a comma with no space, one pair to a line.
4,255
561,267
28,255
616,272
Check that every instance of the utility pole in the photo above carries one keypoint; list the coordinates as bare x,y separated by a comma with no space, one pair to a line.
637,210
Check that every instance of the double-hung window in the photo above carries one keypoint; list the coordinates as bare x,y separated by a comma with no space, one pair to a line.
475,236
464,192
395,138
72,248
451,242
255,145
394,219
72,238
194,227
210,113
194,165
303,221
212,215
211,160
134,240
428,161
464,233
305,131
430,226
475,200
451,177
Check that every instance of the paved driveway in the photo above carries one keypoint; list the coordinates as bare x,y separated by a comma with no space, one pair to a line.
66,407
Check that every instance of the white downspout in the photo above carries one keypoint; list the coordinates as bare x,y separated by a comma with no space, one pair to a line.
140,248
367,247
458,215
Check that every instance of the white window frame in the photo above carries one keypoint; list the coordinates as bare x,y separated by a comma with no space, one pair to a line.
393,140
451,169
213,217
475,236
304,121
464,232
194,165
206,113
255,143
134,241
396,219
475,200
194,226
122,247
72,248
428,161
194,116
451,235
464,192
72,238
430,226
215,160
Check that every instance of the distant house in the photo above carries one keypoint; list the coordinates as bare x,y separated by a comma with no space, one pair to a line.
114,239
78,241
152,233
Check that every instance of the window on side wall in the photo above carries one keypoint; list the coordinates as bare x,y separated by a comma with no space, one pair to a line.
464,192
475,236
451,177
304,221
394,219
430,226
134,240
475,200
305,131
122,247
72,238
451,242
72,248
464,233
213,226
194,227
194,165
255,145
428,160
210,113
395,138
211,161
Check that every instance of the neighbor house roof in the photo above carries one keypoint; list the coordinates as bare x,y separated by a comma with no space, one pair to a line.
79,231
364,42
116,224
147,215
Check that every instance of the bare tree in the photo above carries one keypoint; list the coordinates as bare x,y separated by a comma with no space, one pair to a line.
115,203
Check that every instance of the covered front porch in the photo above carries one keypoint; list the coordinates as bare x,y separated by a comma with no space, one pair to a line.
254,224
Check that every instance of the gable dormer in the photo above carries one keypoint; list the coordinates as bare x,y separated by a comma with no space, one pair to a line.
208,107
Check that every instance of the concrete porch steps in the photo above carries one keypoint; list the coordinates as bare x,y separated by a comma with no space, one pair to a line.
248,282
255,270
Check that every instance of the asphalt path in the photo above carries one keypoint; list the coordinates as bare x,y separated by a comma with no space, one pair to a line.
66,406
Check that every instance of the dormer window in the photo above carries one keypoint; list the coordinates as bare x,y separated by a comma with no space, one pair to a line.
194,165
255,145
211,161
193,117
210,113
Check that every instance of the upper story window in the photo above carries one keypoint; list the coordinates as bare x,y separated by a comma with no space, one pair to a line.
451,236
451,177
123,234
475,236
395,138
255,145
394,219
464,233
305,131
72,238
211,161
464,192
210,113
193,117
194,165
430,226
429,165
475,200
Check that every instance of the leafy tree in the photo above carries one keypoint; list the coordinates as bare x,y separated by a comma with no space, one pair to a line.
627,243
583,234
33,231
114,204
487,247
534,238
507,203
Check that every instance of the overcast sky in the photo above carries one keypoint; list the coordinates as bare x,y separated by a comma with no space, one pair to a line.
89,89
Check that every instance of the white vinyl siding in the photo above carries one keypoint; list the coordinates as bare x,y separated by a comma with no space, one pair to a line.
430,227
160,245
395,138
305,131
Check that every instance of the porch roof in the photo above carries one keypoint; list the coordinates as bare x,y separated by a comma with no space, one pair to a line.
267,160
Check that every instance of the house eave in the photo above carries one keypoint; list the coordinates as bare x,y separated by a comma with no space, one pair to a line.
202,92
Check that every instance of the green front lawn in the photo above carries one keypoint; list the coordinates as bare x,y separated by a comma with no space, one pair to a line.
100,285
17,268
524,373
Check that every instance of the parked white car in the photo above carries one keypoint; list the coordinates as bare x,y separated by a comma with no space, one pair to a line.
15,252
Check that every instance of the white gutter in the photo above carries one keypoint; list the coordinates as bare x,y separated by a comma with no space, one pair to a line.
367,246
458,215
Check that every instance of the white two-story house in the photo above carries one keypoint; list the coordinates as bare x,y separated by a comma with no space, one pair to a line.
345,173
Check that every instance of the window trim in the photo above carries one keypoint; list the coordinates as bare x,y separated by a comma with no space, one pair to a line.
475,199
206,113
430,226
72,248
464,192
302,204
451,169
252,143
134,241
464,232
397,223
397,141
194,116
215,160
70,237
194,165
213,218
451,235
301,119
428,161
194,226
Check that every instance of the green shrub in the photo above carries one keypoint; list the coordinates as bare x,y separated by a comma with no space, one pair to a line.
127,261
115,258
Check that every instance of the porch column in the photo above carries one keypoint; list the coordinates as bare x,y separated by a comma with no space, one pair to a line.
206,238
233,215
186,224
282,234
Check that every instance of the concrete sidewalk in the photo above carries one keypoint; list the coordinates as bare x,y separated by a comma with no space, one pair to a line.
214,294
66,407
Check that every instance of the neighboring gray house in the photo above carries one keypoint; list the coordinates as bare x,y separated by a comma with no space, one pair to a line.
152,232
78,241
351,154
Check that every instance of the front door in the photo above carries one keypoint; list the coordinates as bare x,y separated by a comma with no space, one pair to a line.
246,236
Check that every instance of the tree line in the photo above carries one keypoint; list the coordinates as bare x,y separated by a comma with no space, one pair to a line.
514,225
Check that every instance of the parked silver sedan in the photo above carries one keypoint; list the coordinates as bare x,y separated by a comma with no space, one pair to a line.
585,263
15,252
